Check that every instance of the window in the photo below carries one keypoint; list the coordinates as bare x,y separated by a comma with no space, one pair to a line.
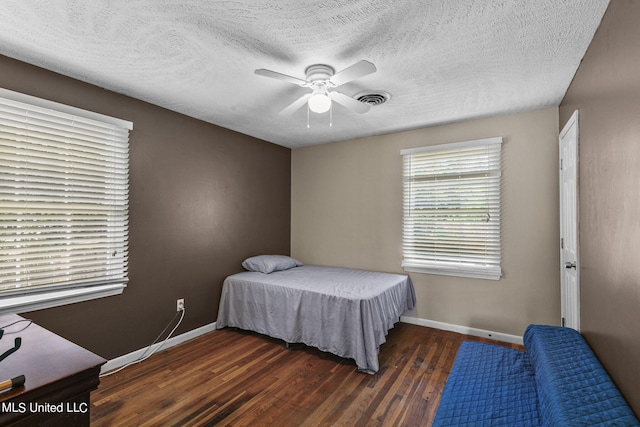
452,209
64,176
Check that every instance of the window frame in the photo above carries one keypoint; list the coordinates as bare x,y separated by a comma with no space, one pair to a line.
23,299
416,258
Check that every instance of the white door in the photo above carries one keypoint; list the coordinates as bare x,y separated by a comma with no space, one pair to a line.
569,263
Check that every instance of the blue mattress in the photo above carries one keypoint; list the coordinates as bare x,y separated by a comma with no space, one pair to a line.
489,385
573,387
558,381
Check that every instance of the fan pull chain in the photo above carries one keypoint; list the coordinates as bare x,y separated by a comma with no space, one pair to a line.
331,115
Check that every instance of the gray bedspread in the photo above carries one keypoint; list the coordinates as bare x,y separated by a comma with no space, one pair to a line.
343,311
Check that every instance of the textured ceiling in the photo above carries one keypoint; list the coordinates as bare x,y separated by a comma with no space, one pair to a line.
442,61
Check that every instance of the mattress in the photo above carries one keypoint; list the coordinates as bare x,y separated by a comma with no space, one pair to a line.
489,385
343,311
574,389
558,381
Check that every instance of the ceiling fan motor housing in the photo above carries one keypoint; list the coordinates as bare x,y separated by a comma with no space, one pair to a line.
319,72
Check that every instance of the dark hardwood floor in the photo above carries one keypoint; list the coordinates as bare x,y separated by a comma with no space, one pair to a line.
238,378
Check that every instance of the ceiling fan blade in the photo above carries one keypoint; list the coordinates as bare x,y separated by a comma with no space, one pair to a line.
295,105
280,76
347,101
357,70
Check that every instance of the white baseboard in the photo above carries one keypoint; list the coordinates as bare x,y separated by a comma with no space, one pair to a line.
499,336
135,355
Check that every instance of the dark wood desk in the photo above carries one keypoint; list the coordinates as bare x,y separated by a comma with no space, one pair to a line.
59,378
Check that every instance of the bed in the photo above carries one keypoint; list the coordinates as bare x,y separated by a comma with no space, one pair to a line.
343,311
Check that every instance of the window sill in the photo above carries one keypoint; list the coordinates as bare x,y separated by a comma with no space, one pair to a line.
474,273
39,301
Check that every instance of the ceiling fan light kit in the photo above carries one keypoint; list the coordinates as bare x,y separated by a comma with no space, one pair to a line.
319,102
322,80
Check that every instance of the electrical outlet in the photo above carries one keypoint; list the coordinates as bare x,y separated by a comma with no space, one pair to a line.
180,304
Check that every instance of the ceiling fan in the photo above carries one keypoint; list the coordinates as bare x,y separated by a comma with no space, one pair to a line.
322,80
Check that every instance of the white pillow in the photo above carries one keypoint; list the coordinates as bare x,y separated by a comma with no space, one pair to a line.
270,263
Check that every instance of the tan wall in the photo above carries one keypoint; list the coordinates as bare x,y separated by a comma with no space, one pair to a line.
347,210
606,91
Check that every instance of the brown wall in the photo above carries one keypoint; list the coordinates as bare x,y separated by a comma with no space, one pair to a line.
606,91
202,198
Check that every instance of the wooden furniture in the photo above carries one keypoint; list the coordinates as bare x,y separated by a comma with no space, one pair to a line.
59,377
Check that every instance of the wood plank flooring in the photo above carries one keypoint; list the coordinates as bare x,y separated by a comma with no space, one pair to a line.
238,378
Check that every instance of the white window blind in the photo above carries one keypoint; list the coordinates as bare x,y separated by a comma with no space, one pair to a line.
64,185
452,209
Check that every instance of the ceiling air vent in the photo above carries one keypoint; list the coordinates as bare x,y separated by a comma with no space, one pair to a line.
373,97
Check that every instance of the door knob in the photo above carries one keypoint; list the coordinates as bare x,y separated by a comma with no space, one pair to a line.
570,265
